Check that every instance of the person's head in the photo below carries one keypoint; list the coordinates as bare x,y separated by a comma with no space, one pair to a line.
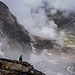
21,55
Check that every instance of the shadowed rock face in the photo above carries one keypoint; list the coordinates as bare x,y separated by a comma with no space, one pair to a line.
14,36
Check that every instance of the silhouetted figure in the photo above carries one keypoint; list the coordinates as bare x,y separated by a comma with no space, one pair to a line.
20,58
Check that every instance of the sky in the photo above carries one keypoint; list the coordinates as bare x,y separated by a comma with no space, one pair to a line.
31,14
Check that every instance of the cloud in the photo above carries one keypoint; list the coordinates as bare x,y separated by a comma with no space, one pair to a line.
53,12
22,8
32,15
64,5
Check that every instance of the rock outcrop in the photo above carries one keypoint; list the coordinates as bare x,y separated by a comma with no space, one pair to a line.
13,67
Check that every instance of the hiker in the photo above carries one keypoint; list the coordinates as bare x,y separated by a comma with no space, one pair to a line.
20,58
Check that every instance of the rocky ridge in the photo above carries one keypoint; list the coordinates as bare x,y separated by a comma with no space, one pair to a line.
13,67
13,36
11,30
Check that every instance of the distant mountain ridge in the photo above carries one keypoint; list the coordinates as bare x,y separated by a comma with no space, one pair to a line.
64,20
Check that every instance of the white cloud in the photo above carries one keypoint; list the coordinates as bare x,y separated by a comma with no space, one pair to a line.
53,12
63,5
33,17
22,8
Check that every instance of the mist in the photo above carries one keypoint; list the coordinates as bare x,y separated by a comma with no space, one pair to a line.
32,15
13,52
53,63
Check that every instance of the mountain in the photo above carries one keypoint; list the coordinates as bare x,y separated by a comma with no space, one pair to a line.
64,20
13,35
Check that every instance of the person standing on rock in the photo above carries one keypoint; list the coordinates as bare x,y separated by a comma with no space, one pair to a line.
20,58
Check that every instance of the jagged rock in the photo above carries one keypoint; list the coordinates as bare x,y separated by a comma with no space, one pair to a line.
13,67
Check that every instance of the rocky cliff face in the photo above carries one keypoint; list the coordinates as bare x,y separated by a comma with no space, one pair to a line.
13,35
